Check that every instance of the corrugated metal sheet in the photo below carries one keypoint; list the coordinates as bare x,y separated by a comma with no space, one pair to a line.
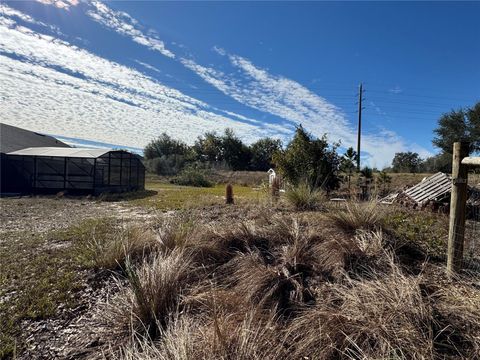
62,152
434,187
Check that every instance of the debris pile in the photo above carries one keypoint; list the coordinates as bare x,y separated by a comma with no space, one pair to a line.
432,193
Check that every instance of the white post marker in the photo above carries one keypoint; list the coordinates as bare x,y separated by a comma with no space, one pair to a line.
271,177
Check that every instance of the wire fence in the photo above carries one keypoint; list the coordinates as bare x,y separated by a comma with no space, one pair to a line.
472,225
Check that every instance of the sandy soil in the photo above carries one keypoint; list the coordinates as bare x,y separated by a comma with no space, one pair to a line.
40,214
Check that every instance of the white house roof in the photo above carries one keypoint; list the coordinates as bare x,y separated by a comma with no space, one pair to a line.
62,152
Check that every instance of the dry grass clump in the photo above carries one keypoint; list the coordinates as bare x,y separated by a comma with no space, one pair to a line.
252,337
379,319
152,294
136,242
111,252
358,215
217,246
271,287
457,320
304,197
280,289
174,232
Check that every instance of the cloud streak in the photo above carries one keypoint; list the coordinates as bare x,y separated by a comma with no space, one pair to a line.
93,98
124,24
257,88
51,86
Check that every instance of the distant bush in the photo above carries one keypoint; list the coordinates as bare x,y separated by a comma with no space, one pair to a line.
192,176
304,197
166,165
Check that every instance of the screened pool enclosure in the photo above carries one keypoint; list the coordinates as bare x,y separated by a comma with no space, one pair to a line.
76,170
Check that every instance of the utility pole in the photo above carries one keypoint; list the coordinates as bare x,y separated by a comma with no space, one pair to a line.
359,135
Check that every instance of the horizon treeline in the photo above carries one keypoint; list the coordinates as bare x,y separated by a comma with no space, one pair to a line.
167,156
305,157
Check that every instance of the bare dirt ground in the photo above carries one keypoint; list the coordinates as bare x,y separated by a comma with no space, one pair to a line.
25,227
39,214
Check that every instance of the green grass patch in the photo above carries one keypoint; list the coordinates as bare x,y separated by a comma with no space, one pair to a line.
126,196
174,197
39,272
427,230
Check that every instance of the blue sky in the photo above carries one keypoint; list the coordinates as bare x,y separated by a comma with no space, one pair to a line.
123,72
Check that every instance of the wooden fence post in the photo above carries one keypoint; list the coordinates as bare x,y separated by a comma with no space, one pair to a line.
457,208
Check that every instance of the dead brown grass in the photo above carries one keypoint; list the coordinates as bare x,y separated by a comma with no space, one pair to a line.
247,338
152,294
358,215
283,288
457,320
376,319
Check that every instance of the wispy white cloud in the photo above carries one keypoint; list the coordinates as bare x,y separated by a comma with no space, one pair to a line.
147,66
276,95
396,90
12,14
289,100
51,86
124,24
61,4
377,109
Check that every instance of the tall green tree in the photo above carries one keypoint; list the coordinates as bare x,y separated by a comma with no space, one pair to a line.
440,162
309,159
165,145
459,125
406,162
236,154
208,147
167,156
262,153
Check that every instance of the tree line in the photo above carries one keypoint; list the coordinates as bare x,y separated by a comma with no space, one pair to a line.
168,156
305,158
457,125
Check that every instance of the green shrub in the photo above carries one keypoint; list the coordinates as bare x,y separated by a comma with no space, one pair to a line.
192,177
166,165
428,231
309,159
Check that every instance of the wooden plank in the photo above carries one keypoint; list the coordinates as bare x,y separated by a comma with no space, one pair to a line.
435,186
471,161
432,181
431,188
